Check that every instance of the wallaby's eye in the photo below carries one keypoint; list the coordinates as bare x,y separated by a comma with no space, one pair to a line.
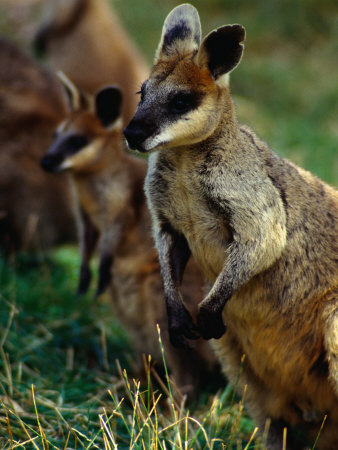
183,102
76,142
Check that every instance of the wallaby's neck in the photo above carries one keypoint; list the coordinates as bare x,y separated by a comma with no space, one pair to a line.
115,164
228,128
110,159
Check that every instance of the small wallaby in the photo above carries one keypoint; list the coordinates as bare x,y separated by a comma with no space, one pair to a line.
263,230
85,40
36,212
108,185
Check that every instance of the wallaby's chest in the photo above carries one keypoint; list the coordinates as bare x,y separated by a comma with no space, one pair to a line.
102,198
179,198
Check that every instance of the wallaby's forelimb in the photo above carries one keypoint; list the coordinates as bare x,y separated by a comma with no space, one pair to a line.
174,248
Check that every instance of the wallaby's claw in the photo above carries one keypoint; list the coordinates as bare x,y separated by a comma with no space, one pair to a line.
210,324
181,326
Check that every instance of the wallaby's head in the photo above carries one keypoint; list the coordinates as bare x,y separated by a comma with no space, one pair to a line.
92,128
187,92
60,17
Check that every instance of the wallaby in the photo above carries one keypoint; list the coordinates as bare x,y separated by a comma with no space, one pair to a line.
109,188
263,230
84,39
36,211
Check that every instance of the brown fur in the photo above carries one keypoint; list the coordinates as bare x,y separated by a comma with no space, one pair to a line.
109,189
263,231
36,209
84,39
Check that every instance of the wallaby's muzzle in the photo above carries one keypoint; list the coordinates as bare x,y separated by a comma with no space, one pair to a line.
135,135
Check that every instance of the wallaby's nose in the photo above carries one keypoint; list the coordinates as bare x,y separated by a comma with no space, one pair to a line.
49,163
135,135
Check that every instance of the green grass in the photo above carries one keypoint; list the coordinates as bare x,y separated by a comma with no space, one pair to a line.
64,362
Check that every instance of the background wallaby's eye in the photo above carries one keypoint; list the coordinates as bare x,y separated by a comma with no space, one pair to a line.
75,142
183,102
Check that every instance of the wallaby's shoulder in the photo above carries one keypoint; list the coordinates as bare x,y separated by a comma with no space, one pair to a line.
292,181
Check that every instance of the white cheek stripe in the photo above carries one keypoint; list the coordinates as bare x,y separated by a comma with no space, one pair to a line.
67,164
156,141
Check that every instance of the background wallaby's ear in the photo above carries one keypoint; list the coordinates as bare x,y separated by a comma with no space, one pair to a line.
76,98
221,51
181,33
108,103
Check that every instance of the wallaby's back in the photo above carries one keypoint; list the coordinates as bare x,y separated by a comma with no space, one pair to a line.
35,209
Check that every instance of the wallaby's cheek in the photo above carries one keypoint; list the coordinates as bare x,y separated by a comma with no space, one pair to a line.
160,140
188,129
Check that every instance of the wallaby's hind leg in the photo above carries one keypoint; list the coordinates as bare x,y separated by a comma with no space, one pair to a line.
89,237
106,262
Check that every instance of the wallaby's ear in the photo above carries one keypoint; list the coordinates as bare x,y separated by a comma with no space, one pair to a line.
108,103
221,51
181,33
76,98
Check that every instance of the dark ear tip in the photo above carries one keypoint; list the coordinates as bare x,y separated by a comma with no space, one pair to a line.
239,30
112,92
234,32
108,103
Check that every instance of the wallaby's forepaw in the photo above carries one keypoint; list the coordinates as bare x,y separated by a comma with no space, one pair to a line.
85,277
210,324
181,327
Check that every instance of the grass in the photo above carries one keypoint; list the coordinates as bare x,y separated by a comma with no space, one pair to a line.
66,374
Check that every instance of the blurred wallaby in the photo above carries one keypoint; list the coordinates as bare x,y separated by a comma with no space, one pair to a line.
84,39
263,230
35,209
109,188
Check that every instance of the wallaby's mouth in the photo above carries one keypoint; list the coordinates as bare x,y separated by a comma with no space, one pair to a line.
140,132
51,164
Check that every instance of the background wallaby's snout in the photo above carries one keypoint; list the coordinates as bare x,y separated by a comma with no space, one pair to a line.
50,163
60,150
